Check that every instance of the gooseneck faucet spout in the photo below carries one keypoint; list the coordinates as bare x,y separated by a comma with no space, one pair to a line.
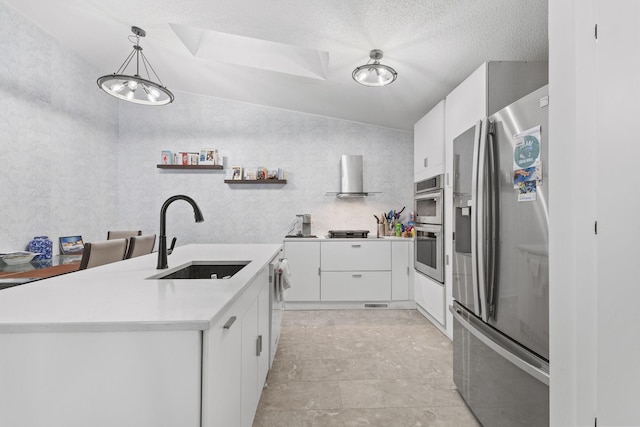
162,245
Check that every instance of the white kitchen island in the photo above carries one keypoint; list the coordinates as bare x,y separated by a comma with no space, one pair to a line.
109,347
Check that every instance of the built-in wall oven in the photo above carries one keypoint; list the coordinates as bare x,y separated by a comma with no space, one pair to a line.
429,227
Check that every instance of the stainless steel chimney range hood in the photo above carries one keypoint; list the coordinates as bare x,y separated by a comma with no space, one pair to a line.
351,178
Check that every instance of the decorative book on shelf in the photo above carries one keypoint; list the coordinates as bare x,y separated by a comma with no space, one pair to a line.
161,166
255,181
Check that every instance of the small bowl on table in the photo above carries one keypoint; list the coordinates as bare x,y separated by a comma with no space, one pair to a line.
16,258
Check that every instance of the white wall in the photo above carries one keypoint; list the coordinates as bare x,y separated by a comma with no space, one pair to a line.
76,161
58,139
307,147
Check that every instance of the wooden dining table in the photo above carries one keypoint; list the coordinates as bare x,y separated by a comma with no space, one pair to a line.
41,269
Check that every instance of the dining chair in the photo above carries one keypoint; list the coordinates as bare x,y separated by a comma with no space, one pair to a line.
120,234
127,234
104,252
140,245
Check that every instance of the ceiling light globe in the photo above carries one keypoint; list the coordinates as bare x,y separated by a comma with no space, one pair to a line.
374,74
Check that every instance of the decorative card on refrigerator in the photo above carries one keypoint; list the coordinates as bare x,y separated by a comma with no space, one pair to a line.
526,152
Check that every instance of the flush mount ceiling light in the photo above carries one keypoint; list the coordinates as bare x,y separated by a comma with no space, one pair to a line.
134,88
374,73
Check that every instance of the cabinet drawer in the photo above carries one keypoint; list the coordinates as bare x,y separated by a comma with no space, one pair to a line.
356,286
358,255
430,295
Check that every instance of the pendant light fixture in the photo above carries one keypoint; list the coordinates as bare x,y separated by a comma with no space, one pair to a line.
374,73
134,88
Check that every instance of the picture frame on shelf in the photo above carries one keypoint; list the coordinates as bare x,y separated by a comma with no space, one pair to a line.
236,173
250,174
166,158
183,158
208,156
261,173
194,158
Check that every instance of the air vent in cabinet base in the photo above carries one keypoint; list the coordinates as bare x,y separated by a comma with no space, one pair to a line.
371,305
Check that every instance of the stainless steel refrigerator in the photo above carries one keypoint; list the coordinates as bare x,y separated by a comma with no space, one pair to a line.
501,265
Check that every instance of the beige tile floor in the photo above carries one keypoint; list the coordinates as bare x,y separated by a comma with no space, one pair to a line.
388,368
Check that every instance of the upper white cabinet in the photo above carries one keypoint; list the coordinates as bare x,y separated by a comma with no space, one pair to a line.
428,143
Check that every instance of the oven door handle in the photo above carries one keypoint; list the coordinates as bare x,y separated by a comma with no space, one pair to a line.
429,228
434,195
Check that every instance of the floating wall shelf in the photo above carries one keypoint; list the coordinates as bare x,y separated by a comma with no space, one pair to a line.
255,181
219,167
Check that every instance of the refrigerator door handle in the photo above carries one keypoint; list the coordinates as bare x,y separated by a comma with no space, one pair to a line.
481,221
474,217
500,345
492,223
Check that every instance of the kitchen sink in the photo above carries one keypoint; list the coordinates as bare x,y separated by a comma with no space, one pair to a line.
204,270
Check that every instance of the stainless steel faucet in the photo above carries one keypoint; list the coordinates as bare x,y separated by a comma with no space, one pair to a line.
162,245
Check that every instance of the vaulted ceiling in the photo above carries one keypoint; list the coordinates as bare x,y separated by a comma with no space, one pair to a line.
298,54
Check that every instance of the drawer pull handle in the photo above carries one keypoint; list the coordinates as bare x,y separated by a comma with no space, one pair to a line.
355,246
259,345
356,275
230,322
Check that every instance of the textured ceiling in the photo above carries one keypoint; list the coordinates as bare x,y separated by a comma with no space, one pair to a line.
432,44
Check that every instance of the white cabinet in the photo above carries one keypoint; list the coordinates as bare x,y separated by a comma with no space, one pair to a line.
356,255
304,261
430,295
353,270
401,266
236,358
223,370
101,379
249,365
357,270
356,286
428,143
255,347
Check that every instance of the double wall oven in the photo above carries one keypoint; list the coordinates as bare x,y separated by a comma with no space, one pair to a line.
429,235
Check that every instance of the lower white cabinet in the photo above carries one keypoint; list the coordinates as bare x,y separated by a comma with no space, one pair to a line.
101,379
356,255
350,270
221,386
356,286
401,267
255,355
430,295
236,359
304,261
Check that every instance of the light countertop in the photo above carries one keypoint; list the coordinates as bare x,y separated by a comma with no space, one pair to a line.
119,297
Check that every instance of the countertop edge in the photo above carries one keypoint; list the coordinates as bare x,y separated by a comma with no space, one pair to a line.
263,254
